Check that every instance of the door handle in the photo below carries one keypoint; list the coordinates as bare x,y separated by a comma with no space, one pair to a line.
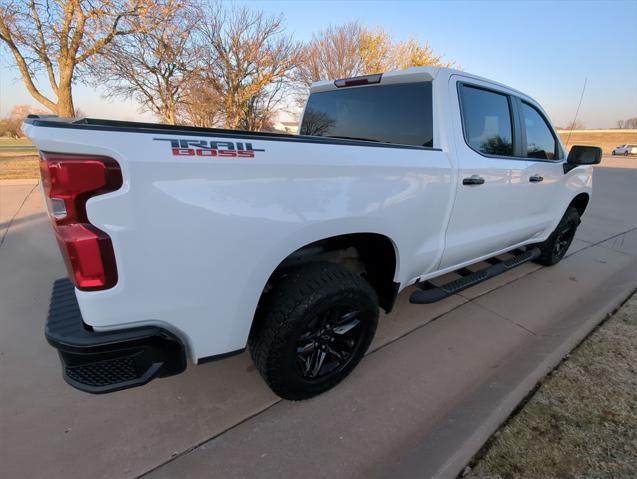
536,178
473,180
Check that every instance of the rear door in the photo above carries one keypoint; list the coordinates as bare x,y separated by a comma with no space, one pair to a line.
490,212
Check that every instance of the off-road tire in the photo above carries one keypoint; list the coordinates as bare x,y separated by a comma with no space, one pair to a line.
294,303
556,246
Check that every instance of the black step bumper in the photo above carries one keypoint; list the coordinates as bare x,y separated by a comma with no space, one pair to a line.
101,362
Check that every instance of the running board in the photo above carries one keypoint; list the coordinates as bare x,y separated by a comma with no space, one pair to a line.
430,293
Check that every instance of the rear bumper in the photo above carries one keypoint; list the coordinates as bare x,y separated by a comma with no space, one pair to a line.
101,362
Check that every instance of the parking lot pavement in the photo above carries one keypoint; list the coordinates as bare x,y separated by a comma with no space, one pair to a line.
219,419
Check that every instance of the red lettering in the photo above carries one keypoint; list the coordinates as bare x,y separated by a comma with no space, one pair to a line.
206,152
183,152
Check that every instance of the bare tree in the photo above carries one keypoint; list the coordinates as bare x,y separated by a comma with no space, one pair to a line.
11,125
333,53
249,60
58,37
575,125
629,123
200,105
154,68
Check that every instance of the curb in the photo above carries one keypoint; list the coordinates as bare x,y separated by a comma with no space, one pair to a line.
459,436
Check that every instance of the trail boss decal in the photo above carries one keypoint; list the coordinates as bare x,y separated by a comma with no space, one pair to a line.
224,149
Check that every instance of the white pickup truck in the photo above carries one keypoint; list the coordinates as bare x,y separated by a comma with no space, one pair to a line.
195,243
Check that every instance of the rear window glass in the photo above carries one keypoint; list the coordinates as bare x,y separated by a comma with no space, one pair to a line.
400,114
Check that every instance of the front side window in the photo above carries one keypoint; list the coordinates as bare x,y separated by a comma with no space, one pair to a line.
540,142
400,114
486,119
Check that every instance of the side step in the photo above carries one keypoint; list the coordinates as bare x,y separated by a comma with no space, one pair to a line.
430,293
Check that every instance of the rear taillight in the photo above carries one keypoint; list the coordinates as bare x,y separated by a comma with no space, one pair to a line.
68,182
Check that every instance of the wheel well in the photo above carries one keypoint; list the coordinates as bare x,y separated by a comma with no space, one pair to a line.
580,202
371,255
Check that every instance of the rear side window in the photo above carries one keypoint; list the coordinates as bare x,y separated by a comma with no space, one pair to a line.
540,142
400,114
486,119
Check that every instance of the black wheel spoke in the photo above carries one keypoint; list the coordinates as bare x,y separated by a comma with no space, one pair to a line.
317,364
306,349
329,342
342,329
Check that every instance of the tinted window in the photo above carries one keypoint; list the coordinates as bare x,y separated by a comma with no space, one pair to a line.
486,118
540,142
390,113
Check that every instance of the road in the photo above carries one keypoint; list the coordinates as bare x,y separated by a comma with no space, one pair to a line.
436,382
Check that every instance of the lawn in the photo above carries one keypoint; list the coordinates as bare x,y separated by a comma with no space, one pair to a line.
15,147
4,142
19,167
582,421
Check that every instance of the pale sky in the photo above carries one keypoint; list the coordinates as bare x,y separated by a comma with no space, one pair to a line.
545,49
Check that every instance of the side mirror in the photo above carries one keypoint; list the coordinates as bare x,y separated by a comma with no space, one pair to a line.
582,155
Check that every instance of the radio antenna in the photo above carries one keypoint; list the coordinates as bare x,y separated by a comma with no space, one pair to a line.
576,113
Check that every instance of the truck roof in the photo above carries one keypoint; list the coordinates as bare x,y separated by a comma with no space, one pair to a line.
415,74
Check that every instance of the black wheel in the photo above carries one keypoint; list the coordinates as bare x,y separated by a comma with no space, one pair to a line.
625,153
613,153
313,328
556,246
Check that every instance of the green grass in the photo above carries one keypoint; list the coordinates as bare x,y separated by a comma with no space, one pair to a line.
582,422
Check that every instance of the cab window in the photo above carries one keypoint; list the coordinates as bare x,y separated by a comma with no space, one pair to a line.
486,119
540,142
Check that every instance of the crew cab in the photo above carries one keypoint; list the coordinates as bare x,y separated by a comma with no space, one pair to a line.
188,243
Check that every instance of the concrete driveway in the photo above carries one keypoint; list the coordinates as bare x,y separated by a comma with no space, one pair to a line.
438,380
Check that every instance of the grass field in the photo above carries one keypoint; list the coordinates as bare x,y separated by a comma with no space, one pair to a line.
6,145
19,167
607,141
4,142
582,422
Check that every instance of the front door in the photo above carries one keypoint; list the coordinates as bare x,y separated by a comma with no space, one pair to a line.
490,212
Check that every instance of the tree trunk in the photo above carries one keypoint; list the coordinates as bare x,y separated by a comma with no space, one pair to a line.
65,106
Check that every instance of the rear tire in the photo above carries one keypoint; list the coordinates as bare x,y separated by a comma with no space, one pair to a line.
625,153
556,246
313,329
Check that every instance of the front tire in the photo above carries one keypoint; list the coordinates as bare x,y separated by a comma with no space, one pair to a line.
556,246
313,328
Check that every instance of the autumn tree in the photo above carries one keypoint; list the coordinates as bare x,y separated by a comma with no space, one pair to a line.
249,61
60,37
154,68
352,49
